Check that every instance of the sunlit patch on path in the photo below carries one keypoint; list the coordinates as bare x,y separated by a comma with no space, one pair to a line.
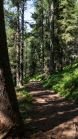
53,116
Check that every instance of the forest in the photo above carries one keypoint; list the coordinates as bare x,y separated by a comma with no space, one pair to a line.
39,69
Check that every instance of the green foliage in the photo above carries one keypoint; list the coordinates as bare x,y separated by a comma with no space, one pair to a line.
37,43
37,77
40,33
66,30
24,102
15,2
65,83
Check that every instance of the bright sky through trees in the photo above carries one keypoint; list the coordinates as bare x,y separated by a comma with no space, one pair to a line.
28,13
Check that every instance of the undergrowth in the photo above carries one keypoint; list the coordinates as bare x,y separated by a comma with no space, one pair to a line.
24,102
65,83
38,77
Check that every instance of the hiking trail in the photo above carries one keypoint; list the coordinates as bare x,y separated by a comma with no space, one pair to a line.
53,117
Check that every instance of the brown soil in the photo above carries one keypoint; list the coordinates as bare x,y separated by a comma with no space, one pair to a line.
53,117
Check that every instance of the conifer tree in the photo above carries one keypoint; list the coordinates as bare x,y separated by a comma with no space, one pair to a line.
10,118
66,30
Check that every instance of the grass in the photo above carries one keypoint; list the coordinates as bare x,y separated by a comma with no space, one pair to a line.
25,107
24,102
65,83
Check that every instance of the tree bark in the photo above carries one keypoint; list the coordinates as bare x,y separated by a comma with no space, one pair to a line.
18,83
42,37
22,43
51,18
9,111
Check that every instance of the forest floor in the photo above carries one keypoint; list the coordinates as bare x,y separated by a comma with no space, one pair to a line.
53,117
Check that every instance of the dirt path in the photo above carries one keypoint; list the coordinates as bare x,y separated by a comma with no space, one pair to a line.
53,116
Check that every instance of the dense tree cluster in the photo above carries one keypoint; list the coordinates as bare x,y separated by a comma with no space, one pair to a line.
59,32
50,45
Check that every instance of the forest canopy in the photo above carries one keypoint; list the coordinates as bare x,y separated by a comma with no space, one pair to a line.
50,45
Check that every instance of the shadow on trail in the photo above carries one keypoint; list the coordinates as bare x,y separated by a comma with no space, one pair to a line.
34,86
49,110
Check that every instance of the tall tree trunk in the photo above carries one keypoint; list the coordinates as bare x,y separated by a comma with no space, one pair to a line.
18,83
51,18
9,111
61,57
22,43
42,16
